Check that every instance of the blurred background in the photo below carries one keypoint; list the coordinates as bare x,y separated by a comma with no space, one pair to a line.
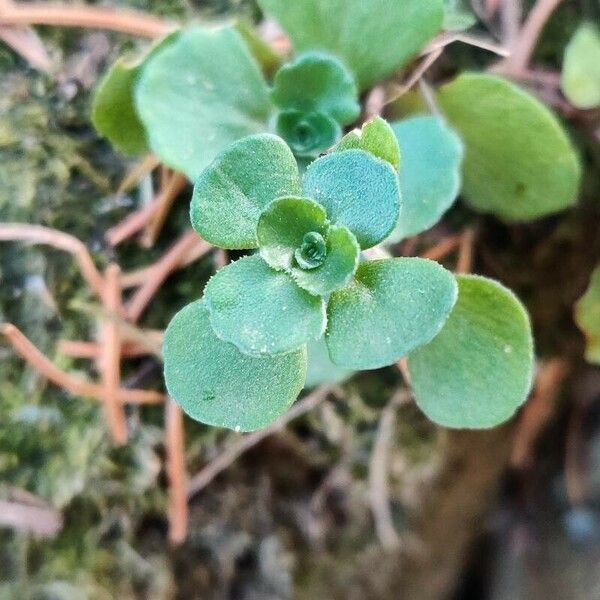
507,514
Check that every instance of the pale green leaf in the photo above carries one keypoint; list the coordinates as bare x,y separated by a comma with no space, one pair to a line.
283,225
587,317
260,310
478,370
580,79
216,384
375,137
317,82
519,163
337,267
231,193
390,308
307,134
372,38
198,95
321,370
458,15
429,174
268,59
357,190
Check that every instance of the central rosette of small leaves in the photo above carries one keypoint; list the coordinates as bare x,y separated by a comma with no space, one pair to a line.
312,252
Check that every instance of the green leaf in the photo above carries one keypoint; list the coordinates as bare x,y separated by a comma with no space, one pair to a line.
429,174
375,137
457,15
198,95
320,369
372,38
307,134
317,82
216,384
587,317
478,370
260,310
390,308
263,52
113,110
580,79
231,193
358,191
519,163
337,267
283,225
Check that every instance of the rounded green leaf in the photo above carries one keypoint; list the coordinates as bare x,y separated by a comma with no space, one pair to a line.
587,317
478,370
357,190
580,79
231,193
519,163
113,110
429,174
390,308
198,95
320,369
372,38
283,225
216,384
375,137
317,82
307,134
337,266
260,310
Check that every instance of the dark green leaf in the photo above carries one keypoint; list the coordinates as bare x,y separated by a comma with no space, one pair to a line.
260,310
429,174
357,190
477,371
320,369
587,317
307,134
390,308
317,82
375,137
198,95
372,38
216,384
283,225
519,163
231,193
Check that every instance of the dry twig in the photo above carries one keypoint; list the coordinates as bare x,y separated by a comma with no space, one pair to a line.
176,473
139,170
26,42
464,262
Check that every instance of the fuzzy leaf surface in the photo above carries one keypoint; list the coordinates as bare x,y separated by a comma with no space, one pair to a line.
519,163
198,95
317,82
230,195
478,370
587,317
391,307
216,384
429,174
321,370
372,38
357,190
307,133
260,310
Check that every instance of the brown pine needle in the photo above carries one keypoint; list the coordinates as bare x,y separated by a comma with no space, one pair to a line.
26,42
74,385
139,170
63,241
443,248
464,263
129,226
176,473
91,17
93,350
111,358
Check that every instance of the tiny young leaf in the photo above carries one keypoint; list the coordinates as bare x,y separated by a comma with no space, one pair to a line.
587,317
357,190
375,137
478,370
390,308
260,310
307,134
580,79
198,95
283,225
373,38
216,384
317,82
429,174
519,163
231,193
